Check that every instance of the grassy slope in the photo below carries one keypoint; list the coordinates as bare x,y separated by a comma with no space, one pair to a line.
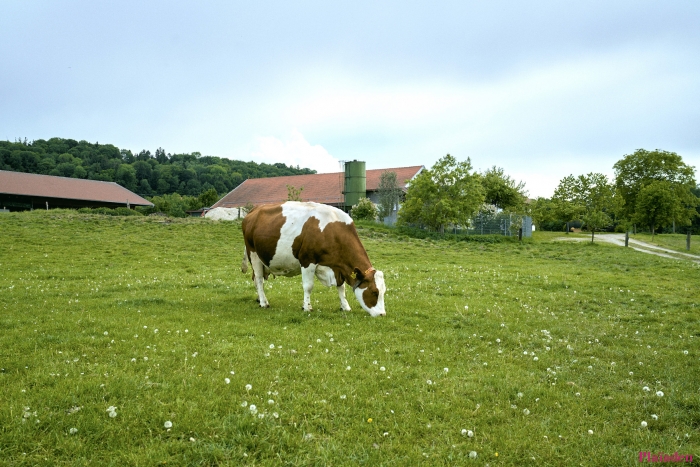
81,296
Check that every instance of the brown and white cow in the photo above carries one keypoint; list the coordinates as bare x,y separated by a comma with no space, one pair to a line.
311,239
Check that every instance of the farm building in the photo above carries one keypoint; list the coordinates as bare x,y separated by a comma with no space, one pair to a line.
340,189
23,191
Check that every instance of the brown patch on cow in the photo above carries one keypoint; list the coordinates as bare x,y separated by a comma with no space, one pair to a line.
371,294
337,247
262,228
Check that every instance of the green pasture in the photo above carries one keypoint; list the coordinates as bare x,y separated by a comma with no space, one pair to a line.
547,353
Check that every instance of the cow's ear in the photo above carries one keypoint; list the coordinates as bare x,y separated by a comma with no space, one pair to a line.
357,274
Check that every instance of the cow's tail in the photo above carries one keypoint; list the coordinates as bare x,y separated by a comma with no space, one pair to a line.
244,264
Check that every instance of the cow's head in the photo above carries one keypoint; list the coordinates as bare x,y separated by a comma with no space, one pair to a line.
370,291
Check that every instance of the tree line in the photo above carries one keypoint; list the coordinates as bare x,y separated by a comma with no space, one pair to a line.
149,175
651,190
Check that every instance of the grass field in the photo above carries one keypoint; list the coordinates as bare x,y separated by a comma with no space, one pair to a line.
137,341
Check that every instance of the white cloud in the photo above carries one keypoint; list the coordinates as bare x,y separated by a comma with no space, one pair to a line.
295,150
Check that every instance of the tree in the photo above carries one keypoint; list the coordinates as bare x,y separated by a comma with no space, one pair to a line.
364,210
656,205
294,194
208,198
637,170
502,191
589,198
543,211
448,193
389,194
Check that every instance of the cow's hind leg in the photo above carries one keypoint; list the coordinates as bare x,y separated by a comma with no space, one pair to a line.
344,305
307,280
259,278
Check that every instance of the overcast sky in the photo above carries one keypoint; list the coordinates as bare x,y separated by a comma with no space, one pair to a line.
542,89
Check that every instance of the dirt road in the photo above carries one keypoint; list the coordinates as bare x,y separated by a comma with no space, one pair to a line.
619,239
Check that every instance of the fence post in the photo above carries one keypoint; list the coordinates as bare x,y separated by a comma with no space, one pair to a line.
687,241
627,238
520,234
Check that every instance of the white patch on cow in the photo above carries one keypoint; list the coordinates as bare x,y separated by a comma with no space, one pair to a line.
378,309
326,276
344,305
307,281
296,214
259,270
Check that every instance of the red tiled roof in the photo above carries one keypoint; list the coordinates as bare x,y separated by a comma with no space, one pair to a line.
321,188
48,186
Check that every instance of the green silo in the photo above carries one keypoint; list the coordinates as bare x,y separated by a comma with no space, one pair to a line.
355,183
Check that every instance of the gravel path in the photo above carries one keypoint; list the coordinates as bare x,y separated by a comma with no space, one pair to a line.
619,239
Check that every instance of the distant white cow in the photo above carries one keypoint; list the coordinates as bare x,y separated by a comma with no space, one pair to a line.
225,214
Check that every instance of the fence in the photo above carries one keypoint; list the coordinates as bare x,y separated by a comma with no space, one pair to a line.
497,224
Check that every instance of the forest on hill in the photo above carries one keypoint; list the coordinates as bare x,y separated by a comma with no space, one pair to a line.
145,174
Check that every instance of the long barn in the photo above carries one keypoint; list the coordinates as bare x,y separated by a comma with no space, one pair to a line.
23,191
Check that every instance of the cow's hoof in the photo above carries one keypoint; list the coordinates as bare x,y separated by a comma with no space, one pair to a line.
267,305
345,309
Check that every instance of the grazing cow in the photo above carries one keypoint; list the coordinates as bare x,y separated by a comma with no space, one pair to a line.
311,239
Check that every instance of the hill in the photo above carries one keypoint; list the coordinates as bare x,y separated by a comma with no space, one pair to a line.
144,173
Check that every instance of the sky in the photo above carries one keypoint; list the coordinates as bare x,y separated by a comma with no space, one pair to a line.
543,89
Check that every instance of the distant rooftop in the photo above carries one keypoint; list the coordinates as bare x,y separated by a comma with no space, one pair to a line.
321,188
19,187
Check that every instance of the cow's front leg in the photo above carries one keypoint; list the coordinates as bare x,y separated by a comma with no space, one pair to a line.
259,273
344,305
307,280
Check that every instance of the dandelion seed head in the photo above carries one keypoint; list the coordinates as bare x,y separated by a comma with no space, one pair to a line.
660,393
590,432
73,431
654,416
227,381
644,424
248,387
472,455
168,424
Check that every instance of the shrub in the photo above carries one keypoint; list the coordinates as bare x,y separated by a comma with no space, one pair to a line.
364,210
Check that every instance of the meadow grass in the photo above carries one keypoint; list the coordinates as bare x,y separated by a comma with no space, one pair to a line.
527,346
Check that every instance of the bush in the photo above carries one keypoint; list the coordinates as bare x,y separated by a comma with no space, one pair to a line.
364,210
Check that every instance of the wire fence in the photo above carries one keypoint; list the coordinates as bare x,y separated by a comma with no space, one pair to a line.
505,224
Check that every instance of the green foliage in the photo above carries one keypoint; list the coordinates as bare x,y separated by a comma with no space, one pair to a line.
502,191
77,323
174,205
447,194
208,198
364,210
294,194
545,214
657,205
635,171
389,194
589,198
145,174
